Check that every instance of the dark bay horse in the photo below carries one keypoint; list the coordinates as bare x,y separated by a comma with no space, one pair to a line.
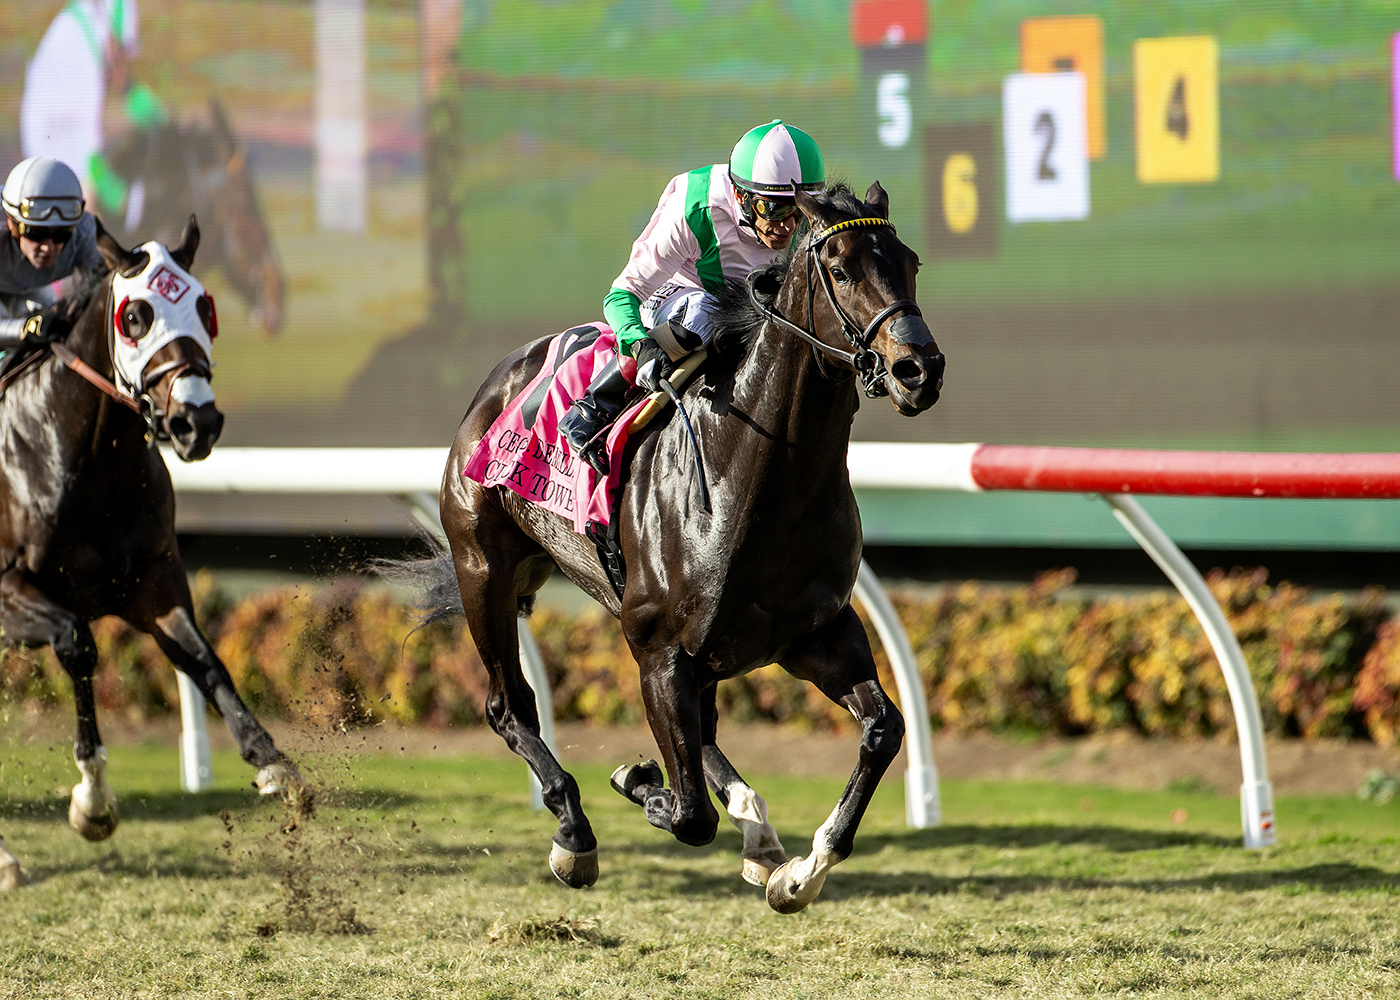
87,513
766,577
186,167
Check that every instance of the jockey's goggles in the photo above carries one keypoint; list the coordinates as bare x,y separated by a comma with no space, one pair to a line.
41,208
773,209
39,234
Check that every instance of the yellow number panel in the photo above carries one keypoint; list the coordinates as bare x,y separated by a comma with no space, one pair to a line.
1177,103
1062,44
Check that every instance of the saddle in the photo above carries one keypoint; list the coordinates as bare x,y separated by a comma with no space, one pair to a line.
524,452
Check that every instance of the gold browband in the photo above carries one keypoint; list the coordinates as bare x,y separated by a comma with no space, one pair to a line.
822,236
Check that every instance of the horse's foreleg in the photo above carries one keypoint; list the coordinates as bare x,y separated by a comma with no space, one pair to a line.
838,661
164,610
762,851
489,601
29,618
674,704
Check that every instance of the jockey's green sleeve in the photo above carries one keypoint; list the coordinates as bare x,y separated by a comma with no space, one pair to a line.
623,312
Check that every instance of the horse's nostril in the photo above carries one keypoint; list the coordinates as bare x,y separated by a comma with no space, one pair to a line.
180,428
909,373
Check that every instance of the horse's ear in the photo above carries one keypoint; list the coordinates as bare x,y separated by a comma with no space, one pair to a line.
117,257
877,202
189,243
809,206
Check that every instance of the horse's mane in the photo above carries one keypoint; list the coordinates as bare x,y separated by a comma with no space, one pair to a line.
739,321
89,283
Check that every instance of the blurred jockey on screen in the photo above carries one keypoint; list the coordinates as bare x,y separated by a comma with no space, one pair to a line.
81,57
48,237
715,223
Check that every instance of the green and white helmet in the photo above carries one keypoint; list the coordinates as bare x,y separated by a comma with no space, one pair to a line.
769,158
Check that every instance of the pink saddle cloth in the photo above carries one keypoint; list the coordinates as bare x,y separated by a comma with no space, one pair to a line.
524,452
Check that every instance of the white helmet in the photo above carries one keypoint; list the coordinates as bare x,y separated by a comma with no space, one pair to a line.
42,192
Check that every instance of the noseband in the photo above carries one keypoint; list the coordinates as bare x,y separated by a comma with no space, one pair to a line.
866,363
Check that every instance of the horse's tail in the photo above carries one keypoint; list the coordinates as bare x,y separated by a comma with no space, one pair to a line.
431,581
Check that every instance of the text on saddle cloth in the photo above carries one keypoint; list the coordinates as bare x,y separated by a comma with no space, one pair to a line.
524,451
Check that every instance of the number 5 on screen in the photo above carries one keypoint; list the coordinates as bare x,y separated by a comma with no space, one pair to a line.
1045,135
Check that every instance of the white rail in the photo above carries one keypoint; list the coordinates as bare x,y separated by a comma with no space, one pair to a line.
414,475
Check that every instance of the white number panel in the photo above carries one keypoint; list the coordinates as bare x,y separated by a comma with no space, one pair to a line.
1046,139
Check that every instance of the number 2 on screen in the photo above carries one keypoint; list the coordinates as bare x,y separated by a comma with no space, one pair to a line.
1045,127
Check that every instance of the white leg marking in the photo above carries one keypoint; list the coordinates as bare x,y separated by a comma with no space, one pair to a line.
93,809
763,851
798,882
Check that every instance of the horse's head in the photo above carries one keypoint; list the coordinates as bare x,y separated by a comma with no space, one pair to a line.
159,326
248,255
860,297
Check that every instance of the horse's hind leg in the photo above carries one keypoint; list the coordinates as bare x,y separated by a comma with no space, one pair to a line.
838,661
487,576
163,609
763,852
29,618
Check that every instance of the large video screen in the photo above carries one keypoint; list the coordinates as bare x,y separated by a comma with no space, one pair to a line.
1165,223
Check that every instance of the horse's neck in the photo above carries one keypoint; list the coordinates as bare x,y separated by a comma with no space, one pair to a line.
801,417
88,341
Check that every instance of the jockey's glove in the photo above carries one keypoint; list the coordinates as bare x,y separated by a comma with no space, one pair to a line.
48,324
653,365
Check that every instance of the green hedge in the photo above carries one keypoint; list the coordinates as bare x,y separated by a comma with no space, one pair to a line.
1037,659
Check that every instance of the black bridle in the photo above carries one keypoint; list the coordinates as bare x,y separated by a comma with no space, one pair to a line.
866,362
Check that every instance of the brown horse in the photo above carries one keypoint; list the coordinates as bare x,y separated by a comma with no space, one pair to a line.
193,166
87,513
766,576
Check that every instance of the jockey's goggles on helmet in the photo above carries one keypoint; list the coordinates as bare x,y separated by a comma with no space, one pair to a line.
59,234
41,208
772,209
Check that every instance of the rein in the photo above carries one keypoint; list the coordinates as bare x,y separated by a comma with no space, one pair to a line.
866,363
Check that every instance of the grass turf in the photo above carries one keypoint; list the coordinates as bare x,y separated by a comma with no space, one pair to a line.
424,877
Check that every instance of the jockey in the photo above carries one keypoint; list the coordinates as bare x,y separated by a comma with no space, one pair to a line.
49,237
713,224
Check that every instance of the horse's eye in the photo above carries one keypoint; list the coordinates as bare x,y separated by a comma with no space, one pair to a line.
136,319
204,305
841,276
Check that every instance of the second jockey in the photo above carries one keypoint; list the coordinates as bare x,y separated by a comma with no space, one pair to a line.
712,224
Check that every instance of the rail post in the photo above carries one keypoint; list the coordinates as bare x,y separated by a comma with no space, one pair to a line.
1256,791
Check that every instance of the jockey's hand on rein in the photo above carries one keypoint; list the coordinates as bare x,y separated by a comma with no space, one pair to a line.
653,365
48,324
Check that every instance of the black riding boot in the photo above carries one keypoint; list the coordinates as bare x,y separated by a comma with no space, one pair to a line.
591,414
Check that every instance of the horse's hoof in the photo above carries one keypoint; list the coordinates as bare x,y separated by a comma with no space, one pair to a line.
281,777
629,777
789,894
760,868
94,828
11,874
12,877
577,871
